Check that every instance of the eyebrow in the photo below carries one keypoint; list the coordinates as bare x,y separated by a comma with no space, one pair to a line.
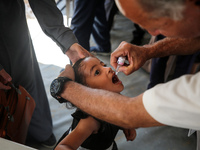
102,63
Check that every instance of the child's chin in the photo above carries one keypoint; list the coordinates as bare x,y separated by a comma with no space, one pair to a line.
120,89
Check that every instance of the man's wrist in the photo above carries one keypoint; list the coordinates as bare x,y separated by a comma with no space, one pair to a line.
71,48
57,87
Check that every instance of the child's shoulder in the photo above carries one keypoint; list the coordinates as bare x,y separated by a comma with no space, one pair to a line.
89,125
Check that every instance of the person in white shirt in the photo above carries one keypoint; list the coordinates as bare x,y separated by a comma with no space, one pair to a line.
176,103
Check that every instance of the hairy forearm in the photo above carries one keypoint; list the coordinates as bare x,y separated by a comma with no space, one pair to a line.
173,46
108,106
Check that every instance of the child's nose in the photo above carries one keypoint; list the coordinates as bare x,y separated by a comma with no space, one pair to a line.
109,70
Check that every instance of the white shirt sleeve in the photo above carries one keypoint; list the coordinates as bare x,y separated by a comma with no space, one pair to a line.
176,103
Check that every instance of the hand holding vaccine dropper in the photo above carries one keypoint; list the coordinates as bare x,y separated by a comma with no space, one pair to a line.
120,63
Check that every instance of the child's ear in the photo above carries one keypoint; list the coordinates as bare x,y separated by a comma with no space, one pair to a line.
68,72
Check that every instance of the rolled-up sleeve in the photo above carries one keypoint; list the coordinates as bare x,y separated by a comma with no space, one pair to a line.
51,21
176,103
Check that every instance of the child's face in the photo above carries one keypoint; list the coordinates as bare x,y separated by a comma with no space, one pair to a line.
97,75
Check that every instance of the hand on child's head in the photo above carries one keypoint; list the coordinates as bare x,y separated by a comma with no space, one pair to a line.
68,72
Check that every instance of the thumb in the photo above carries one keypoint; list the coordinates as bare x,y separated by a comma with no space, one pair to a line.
6,77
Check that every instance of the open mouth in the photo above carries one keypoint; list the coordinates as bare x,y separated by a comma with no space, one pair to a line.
115,79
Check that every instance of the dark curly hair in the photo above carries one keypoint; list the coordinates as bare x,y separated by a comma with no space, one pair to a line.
79,78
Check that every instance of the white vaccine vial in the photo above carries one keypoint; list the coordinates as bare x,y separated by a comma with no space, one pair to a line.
120,63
